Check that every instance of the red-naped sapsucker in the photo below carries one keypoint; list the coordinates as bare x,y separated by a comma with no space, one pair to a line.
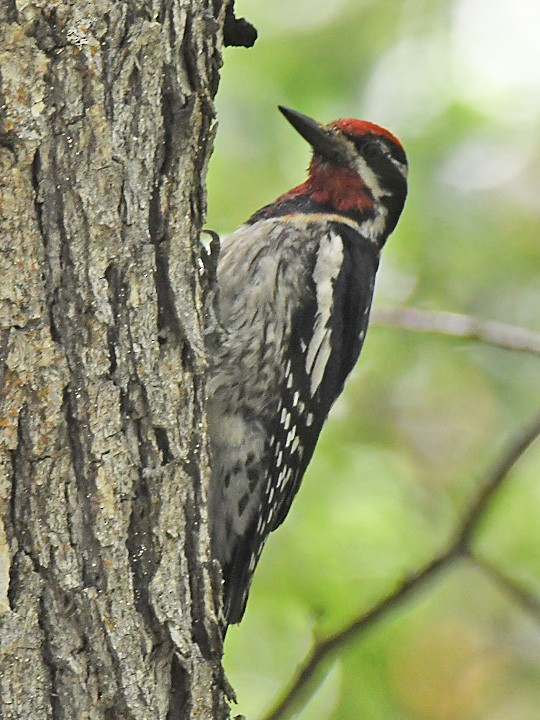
294,290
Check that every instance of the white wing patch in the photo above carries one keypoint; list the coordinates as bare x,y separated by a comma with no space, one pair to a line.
327,267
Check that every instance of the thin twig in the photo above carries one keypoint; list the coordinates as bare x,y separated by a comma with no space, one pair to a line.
509,337
460,547
493,480
525,599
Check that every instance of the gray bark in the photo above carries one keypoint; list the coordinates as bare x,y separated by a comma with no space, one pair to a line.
106,604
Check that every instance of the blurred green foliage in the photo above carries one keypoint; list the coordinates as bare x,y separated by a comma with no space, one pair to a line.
422,417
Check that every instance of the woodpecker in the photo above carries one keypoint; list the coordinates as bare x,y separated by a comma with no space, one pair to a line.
293,296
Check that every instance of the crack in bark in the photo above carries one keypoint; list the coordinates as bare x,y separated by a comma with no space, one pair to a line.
189,55
116,295
47,654
4,348
173,114
46,273
196,584
179,697
16,529
162,441
92,570
135,87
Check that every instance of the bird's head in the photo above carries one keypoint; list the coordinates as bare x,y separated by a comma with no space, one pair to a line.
358,168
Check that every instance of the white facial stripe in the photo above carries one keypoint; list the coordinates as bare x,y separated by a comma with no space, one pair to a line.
370,178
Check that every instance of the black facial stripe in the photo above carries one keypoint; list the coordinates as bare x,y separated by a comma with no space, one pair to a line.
397,153
390,175
371,140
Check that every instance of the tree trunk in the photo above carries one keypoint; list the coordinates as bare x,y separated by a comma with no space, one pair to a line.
105,579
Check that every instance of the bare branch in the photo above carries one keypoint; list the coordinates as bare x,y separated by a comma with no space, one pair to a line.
323,649
509,337
460,547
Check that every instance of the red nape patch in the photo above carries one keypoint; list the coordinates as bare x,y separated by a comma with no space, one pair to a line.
341,189
357,128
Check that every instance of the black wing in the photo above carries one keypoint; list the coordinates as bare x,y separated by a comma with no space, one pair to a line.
295,438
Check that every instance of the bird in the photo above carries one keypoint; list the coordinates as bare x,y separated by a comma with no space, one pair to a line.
294,287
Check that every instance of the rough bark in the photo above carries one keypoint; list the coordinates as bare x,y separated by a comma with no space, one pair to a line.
105,580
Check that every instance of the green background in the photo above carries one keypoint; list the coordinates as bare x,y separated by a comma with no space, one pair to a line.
423,417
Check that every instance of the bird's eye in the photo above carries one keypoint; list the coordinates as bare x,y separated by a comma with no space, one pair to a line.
372,150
